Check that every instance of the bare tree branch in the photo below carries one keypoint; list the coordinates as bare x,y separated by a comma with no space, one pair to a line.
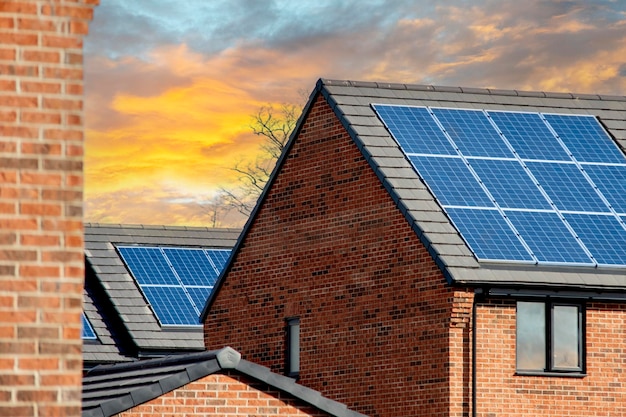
274,126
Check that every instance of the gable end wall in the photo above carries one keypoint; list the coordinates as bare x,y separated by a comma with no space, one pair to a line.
328,245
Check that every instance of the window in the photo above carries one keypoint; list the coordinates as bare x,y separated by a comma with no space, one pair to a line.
292,354
550,337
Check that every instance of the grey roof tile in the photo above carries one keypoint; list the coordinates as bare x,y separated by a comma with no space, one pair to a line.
414,200
118,287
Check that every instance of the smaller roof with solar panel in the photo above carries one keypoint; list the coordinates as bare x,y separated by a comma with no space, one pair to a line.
145,287
508,190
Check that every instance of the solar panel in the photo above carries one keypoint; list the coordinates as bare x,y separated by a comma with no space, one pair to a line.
175,281
416,130
472,133
520,186
603,235
489,235
87,331
548,237
451,181
192,266
567,187
218,257
510,184
529,136
585,138
171,305
611,182
149,265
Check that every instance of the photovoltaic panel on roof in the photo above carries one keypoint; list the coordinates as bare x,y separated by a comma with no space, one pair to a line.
544,188
149,266
451,180
611,182
489,235
176,281
218,257
199,295
548,237
417,129
171,305
87,331
510,184
472,133
192,266
603,234
567,187
529,136
585,138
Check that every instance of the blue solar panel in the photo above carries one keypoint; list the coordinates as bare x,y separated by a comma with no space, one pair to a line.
529,136
510,184
175,281
567,187
192,266
489,235
219,257
611,181
199,295
472,133
603,235
548,237
148,265
585,138
87,331
415,130
171,305
576,164
451,181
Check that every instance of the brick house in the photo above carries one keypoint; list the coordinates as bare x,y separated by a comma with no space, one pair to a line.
200,384
124,319
371,284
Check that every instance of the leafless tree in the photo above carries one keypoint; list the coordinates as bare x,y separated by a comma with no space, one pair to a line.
274,125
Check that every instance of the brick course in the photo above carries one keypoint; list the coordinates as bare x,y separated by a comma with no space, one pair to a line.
41,253
330,246
502,393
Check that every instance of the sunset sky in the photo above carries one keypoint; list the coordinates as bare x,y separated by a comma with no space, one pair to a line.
171,85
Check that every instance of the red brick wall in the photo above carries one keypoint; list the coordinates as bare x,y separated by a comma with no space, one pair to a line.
223,395
330,246
501,393
41,180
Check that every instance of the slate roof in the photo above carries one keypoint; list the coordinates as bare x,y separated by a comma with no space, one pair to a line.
351,102
112,389
122,319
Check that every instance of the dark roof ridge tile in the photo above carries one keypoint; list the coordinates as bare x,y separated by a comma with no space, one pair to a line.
489,91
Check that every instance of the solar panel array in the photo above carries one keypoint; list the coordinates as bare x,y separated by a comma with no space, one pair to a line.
88,333
175,281
520,186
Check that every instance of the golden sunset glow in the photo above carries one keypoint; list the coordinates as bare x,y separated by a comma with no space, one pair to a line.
170,97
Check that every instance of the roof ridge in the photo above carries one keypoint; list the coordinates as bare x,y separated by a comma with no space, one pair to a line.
470,90
154,226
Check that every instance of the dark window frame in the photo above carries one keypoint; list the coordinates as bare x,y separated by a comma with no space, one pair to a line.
550,368
292,347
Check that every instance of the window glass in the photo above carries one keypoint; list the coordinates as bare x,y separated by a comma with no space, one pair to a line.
531,336
565,342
